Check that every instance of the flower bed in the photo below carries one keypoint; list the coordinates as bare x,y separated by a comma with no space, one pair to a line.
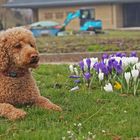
116,72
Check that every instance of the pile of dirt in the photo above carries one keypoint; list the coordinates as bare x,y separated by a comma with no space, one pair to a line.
72,57
86,44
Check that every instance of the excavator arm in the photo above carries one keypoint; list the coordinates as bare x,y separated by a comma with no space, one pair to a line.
70,17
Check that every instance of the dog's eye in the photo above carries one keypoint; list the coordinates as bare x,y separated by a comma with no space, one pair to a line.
32,45
18,46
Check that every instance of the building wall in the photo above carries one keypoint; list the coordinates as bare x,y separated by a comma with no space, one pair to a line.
104,12
59,15
118,16
111,15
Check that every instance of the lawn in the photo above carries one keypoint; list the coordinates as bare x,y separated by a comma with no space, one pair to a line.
86,113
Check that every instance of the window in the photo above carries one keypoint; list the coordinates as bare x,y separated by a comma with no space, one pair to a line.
48,15
59,15
92,12
87,14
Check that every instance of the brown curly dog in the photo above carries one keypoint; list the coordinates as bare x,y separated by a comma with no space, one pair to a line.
18,53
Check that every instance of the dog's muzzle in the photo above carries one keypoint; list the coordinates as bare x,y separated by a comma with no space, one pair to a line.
34,58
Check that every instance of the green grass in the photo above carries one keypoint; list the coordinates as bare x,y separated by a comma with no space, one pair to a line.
106,115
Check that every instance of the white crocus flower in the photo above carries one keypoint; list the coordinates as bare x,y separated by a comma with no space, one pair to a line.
118,59
125,62
106,61
108,87
129,60
135,74
85,63
101,76
76,71
137,66
74,88
71,68
127,76
93,61
133,60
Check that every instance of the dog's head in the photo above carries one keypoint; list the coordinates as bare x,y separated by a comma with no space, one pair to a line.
18,49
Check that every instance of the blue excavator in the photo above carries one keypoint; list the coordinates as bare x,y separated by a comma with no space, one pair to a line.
87,20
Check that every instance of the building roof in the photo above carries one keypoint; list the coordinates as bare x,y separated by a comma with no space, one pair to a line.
53,3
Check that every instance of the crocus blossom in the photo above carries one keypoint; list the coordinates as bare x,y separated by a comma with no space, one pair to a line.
118,69
137,66
88,61
105,56
108,87
76,71
135,74
133,54
74,76
101,76
117,85
127,76
81,64
85,63
74,88
71,68
87,75
129,60
93,61
77,81
103,68
118,54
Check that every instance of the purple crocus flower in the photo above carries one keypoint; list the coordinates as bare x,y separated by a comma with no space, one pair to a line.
88,61
103,68
119,54
81,64
123,54
74,76
111,64
133,54
110,61
104,56
120,63
77,81
118,69
87,75
111,55
109,68
96,66
115,63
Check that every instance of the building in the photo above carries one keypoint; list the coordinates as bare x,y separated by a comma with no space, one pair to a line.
113,13
8,17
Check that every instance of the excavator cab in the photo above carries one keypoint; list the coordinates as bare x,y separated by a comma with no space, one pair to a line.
86,15
88,21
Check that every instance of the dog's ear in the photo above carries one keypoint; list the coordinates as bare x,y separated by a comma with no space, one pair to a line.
4,59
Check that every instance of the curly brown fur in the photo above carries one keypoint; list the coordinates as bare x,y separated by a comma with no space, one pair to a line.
18,53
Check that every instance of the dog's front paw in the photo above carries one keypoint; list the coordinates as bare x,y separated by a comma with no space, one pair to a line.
16,114
56,107
46,104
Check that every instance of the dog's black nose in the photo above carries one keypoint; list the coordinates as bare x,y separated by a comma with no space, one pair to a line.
34,58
